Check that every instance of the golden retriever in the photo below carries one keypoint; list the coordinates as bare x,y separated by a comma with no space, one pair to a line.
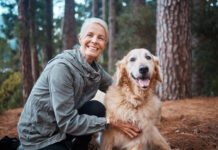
131,99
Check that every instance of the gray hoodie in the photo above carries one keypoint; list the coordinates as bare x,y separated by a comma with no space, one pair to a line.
50,112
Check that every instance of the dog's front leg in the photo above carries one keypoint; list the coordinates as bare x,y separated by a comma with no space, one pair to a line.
158,140
107,141
138,147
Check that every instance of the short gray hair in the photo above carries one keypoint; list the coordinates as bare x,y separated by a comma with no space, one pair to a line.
89,21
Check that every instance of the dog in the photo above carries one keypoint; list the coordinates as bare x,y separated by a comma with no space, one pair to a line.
131,98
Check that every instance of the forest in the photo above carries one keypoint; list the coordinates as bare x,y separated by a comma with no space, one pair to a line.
182,33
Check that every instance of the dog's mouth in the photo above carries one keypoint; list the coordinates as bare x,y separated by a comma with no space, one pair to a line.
142,81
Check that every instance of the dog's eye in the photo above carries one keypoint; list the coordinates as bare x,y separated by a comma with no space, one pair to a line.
132,59
148,57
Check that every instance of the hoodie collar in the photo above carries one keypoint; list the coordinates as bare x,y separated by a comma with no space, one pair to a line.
75,58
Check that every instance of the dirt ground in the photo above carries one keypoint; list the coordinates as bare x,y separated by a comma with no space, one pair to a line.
188,124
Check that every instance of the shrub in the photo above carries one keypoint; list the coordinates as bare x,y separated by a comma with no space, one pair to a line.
10,92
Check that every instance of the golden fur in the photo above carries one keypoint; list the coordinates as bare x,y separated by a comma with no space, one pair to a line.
131,99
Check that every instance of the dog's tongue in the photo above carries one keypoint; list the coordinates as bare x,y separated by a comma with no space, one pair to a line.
144,83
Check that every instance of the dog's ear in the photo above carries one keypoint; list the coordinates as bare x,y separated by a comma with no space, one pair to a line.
158,69
120,72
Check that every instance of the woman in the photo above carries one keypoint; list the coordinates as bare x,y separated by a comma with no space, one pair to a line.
59,107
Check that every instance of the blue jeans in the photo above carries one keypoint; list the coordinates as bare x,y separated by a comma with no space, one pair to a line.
92,107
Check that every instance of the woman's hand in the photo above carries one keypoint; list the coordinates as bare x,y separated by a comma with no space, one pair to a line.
125,127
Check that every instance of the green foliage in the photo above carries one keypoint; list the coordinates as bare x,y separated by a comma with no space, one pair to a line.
82,12
8,57
133,30
57,37
4,75
205,52
10,92
5,50
9,19
136,30
214,86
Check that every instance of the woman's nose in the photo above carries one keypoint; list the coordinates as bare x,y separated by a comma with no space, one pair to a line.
94,39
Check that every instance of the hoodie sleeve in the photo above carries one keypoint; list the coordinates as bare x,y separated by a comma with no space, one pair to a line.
106,80
61,86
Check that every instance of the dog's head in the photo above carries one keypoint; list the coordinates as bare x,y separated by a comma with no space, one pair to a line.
139,67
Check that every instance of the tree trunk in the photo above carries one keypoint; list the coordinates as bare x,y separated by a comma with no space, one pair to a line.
104,10
25,49
202,4
112,24
48,51
173,48
94,8
34,56
69,25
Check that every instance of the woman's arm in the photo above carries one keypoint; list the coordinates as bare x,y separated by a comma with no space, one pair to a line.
106,80
61,86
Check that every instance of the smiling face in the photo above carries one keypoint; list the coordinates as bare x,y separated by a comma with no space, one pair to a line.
139,69
140,66
92,42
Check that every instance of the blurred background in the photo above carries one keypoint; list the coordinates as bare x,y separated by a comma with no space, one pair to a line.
182,33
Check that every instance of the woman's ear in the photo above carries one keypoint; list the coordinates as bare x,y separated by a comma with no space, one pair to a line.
79,39
159,74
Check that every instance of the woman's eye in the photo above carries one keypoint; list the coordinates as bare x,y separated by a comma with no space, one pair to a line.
148,57
132,59
89,34
101,38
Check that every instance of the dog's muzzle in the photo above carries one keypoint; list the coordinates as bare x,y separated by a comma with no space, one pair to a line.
143,70
143,79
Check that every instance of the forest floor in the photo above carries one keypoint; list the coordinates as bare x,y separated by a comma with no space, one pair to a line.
188,124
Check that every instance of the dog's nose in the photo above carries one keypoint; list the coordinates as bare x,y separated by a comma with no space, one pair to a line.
143,69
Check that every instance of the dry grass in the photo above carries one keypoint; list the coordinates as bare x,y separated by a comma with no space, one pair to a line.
188,124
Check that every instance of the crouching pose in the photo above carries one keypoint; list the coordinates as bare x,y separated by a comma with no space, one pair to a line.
58,109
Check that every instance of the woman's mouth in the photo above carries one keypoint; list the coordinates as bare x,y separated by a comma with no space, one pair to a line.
92,48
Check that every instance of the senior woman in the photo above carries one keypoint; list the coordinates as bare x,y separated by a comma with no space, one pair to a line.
58,108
